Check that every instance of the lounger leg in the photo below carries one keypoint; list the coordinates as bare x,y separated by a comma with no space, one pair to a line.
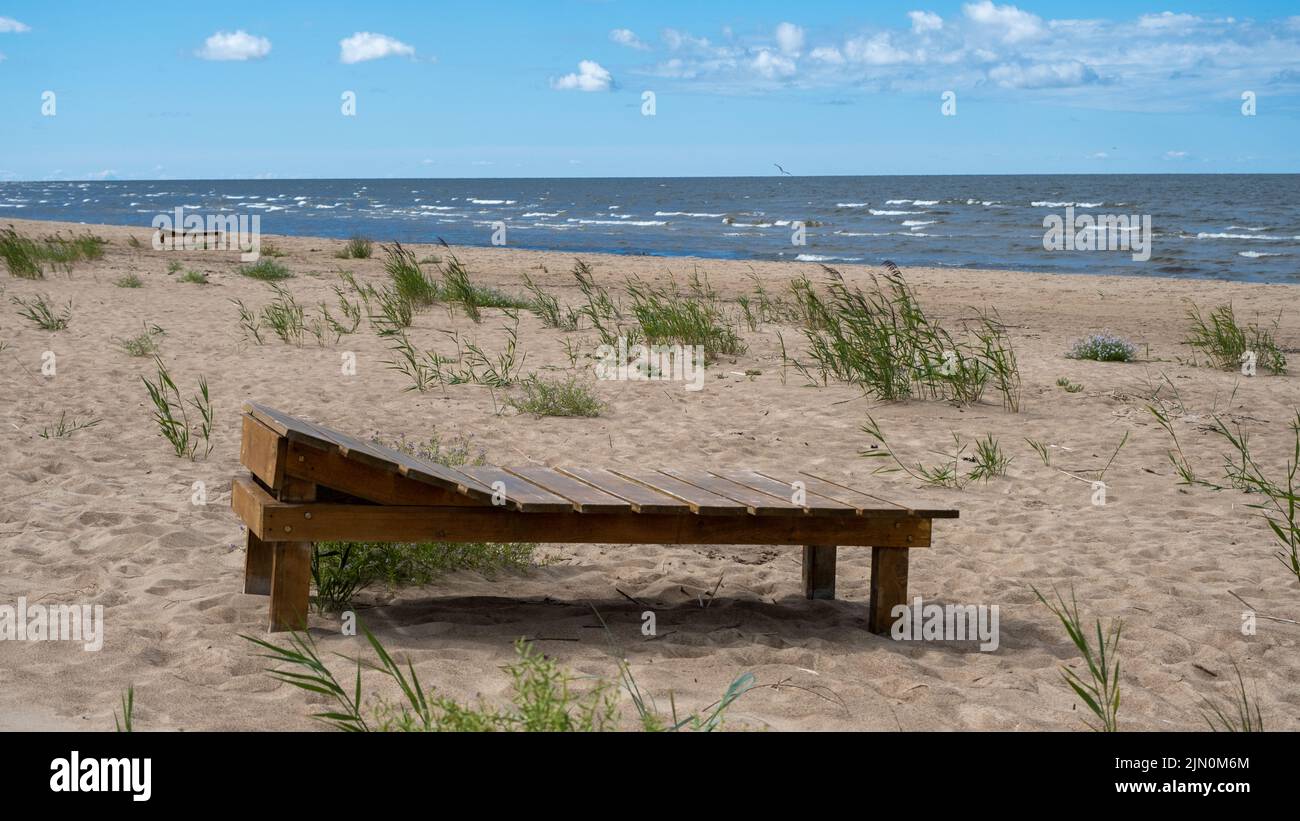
819,571
257,566
888,586
291,567
290,586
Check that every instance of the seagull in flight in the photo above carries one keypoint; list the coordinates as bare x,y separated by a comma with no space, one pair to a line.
782,170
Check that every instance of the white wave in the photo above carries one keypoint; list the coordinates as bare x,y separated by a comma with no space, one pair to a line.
1256,254
1204,235
1244,228
643,223
1050,204
491,202
876,213
852,204
917,223
820,258
687,214
536,213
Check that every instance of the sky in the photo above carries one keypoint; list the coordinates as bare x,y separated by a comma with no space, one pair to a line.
134,90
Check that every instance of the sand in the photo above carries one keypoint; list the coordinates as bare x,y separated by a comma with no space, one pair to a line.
105,516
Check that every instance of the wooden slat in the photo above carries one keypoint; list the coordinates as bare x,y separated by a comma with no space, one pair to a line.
867,504
813,503
701,501
330,468
372,454
585,498
642,498
298,430
520,494
278,521
758,503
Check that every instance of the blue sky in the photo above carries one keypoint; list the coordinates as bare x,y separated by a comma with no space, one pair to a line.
243,90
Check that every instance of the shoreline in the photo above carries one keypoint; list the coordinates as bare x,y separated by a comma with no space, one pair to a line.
143,232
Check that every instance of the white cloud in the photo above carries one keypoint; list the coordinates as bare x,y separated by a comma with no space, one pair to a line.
364,45
1175,155
1168,21
679,40
878,50
1163,62
789,38
9,25
627,37
591,76
771,65
923,21
1043,75
236,45
827,54
1014,25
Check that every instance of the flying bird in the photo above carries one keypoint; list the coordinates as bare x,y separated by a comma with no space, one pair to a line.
782,170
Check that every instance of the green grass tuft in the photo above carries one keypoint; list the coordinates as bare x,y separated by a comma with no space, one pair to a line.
557,397
267,270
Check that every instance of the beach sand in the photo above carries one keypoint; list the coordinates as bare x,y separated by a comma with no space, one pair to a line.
105,516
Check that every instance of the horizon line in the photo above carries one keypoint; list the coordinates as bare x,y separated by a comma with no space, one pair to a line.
675,177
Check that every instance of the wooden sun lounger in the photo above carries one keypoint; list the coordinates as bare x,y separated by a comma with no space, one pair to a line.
311,483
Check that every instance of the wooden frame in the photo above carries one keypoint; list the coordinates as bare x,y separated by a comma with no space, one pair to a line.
310,484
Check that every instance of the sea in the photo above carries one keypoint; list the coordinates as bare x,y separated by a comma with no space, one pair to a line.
1243,227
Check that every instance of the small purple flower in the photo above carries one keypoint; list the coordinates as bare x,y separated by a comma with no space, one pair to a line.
1103,347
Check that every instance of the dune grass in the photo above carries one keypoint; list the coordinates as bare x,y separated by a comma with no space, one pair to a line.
357,247
129,281
65,427
28,258
265,269
557,397
671,316
543,696
989,461
1100,691
471,365
125,723
1226,343
1241,715
883,341
458,289
41,312
144,343
171,413
409,281
22,255
194,278
548,309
